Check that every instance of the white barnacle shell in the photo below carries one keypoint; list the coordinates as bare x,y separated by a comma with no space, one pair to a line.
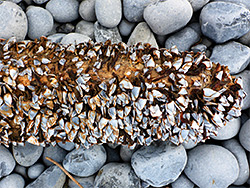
148,60
135,93
178,63
125,84
155,111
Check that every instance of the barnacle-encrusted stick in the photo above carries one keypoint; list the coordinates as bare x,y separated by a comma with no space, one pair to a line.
110,93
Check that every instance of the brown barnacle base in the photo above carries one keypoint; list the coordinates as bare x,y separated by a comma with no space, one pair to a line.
94,93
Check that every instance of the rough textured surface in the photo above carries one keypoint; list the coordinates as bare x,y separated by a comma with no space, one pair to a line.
211,166
13,21
85,162
161,158
246,3
12,181
244,135
165,17
52,177
222,21
85,182
116,175
28,154
108,12
87,10
7,162
229,53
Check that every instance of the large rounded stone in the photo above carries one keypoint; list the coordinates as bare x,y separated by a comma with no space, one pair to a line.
211,166
54,152
161,158
40,22
165,17
116,175
87,182
126,27
181,182
85,28
68,146
244,135
108,12
63,10
12,181
7,162
13,21
85,162
234,146
222,21
197,5
35,170
74,38
28,154
231,52
87,10
246,3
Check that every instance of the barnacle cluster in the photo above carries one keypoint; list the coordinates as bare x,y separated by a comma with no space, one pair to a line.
94,93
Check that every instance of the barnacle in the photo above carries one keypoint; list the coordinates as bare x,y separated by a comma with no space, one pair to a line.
94,93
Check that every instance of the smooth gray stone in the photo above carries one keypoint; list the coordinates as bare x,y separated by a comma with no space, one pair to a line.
133,9
21,170
102,34
12,181
235,148
108,12
66,28
230,130
54,29
85,162
238,53
54,152
211,166
68,146
183,39
143,34
85,28
245,39
245,75
40,1
244,135
35,170
40,22
223,21
28,154
74,38
162,158
14,1
13,21
206,42
165,17
197,5
181,182
196,27
63,10
116,175
7,162
87,10
189,144
52,177
126,153
199,48
246,3
87,182
56,37
126,27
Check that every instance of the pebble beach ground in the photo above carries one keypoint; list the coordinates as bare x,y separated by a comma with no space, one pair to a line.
220,28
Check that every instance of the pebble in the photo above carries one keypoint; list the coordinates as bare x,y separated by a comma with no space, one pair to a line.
223,21
68,146
238,53
117,175
108,12
133,9
112,154
197,5
74,38
21,170
142,33
12,181
85,162
87,10
159,158
245,75
183,39
56,37
7,162
102,34
66,28
40,1
35,170
28,154
199,48
211,166
165,17
113,145
52,177
85,28
126,27
235,148
196,27
126,153
54,152
40,22
245,39
181,182
246,3
189,144
87,182
244,135
14,1
230,130
63,10
13,21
